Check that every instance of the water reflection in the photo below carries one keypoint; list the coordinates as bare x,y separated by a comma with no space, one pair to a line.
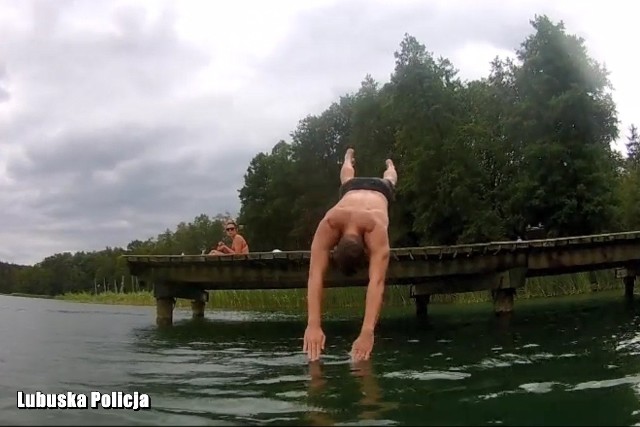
371,405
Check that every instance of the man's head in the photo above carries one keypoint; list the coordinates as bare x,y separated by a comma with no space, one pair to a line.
349,254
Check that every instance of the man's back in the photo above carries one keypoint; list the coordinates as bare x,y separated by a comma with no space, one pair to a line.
364,208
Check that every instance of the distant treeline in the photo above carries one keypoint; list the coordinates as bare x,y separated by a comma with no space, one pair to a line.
106,270
477,160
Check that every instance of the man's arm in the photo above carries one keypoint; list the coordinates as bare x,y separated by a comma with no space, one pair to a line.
378,244
238,245
324,239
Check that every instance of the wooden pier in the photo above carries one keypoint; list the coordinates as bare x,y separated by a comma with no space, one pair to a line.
500,267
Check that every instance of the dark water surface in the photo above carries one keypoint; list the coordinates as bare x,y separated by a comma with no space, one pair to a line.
562,361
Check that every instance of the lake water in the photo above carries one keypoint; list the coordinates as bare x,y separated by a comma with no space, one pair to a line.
562,361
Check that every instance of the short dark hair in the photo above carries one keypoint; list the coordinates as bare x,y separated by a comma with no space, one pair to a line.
349,254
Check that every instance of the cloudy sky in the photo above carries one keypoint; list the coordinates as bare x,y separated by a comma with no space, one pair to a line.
119,119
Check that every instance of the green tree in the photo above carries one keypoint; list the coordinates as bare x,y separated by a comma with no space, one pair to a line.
567,121
266,200
318,146
629,188
437,168
633,146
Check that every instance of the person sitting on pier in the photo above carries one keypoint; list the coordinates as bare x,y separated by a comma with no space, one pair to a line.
357,226
238,243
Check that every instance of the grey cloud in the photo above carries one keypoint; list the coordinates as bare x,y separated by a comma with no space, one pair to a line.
129,185
146,198
151,188
96,150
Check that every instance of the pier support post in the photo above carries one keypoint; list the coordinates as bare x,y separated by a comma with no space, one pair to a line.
164,311
505,289
199,300
629,282
422,306
197,309
628,276
503,300
166,294
421,298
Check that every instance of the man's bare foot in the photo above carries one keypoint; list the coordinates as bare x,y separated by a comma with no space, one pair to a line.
389,163
349,156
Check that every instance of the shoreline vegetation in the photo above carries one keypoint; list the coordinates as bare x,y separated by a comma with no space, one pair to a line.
294,300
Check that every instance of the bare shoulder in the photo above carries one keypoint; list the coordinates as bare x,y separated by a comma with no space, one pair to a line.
377,240
326,234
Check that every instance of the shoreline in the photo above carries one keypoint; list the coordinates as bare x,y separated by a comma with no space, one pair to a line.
445,305
294,300
353,298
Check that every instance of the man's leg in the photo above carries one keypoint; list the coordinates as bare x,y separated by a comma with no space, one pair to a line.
347,171
390,173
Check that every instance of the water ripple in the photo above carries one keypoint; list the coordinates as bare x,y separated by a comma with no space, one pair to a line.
545,387
632,379
428,375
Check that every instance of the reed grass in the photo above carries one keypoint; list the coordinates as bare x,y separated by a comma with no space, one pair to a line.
294,300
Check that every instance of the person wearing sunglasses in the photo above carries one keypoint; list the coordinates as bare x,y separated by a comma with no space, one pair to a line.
357,227
238,243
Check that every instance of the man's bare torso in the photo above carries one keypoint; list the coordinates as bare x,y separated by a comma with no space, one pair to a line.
365,209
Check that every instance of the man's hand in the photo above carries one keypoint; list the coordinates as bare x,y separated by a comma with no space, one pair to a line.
362,346
313,342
